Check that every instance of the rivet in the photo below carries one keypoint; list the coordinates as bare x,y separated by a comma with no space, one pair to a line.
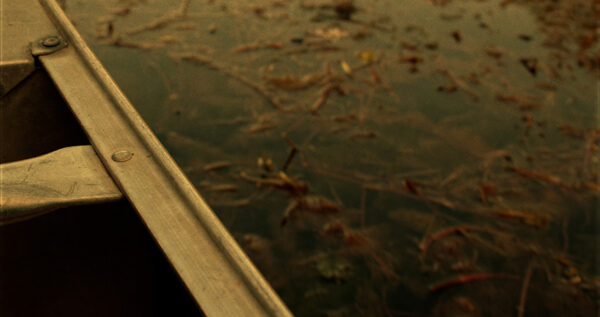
51,41
122,156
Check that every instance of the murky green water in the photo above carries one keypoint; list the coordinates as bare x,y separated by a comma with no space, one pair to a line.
381,158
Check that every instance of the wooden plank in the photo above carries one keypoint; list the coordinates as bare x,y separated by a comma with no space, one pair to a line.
214,268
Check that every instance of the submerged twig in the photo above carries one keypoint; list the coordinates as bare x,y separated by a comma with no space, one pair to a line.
292,83
531,219
221,188
216,166
424,245
293,150
460,84
117,41
538,176
524,288
314,109
162,21
282,181
231,203
468,279
377,80
205,60
289,159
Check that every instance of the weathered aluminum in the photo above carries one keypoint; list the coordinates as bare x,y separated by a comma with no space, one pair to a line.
20,26
213,267
13,72
68,177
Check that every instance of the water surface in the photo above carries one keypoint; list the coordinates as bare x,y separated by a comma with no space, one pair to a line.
381,158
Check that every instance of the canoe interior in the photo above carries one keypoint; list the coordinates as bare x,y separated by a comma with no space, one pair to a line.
35,120
95,260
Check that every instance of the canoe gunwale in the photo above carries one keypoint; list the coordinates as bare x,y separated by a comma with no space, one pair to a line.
215,270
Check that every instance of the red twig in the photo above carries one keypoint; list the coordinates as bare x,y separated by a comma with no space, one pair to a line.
411,186
539,176
423,246
463,279
322,98
524,289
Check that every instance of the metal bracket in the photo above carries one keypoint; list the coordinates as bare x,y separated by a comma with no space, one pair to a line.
48,45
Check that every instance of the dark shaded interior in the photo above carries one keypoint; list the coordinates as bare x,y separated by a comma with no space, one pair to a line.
35,120
97,260
88,261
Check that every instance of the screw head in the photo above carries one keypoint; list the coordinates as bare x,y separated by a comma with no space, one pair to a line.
122,156
51,41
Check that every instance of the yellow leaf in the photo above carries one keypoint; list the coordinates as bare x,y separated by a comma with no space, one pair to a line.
347,69
367,56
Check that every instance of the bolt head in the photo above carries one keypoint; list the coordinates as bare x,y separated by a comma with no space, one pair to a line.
51,41
122,156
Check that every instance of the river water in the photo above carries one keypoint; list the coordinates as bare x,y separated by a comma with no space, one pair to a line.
382,157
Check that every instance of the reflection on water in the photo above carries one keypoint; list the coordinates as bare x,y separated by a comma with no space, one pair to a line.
382,158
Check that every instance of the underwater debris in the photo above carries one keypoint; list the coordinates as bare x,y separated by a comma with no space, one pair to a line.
163,21
346,68
525,37
289,82
413,59
537,176
457,36
216,166
344,8
121,10
334,268
257,45
424,245
464,279
530,64
532,219
292,153
206,60
309,203
573,132
117,41
486,190
261,126
522,101
524,289
446,164
280,181
460,84
221,187
493,52
330,34
314,109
